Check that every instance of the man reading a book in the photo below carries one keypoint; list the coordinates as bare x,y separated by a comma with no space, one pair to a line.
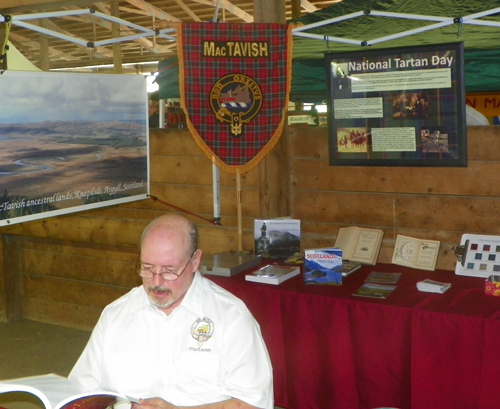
178,340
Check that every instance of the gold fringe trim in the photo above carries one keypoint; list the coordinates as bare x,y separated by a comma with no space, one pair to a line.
234,169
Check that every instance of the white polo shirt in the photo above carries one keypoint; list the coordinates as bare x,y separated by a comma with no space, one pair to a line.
208,349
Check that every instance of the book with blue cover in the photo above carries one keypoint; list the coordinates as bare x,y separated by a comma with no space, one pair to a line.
323,266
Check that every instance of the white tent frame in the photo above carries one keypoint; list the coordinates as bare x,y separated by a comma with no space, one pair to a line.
473,19
20,21
441,22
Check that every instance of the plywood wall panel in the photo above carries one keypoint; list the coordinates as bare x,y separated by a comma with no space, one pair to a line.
100,268
199,199
77,292
69,315
483,143
344,207
165,142
72,265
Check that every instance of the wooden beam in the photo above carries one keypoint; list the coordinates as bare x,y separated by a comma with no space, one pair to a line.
308,6
228,6
274,169
115,32
22,43
269,11
152,10
187,10
6,6
295,9
143,42
44,48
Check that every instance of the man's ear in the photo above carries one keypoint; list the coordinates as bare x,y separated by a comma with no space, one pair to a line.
197,259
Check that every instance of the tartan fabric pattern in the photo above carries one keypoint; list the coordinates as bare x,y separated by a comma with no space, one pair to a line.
199,73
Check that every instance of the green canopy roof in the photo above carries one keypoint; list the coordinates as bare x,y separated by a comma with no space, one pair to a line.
481,42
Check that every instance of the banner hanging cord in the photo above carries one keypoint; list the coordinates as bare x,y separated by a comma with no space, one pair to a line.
8,25
183,210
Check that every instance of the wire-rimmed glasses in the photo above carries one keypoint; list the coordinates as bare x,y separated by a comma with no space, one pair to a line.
165,273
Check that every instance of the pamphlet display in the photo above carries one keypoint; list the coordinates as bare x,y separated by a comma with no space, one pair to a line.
273,274
276,238
416,253
359,244
323,266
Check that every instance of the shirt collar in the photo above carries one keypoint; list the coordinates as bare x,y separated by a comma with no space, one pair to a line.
193,299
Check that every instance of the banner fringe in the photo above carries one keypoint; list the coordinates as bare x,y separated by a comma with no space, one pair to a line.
241,169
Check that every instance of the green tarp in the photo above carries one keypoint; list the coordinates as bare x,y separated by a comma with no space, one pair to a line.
482,43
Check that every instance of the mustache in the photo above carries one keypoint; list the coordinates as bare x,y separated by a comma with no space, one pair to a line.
159,289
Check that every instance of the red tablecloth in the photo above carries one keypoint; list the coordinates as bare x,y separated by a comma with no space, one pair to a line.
330,349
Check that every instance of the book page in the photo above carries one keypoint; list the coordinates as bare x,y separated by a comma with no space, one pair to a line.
415,253
367,246
57,391
405,251
51,388
346,238
427,254
21,399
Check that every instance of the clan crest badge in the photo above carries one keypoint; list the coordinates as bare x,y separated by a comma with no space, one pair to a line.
202,330
236,99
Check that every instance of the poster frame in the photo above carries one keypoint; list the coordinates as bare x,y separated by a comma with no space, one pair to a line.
376,119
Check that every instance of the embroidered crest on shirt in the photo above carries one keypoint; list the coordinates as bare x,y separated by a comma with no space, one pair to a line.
202,329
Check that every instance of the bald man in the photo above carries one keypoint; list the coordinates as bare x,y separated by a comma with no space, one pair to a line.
178,340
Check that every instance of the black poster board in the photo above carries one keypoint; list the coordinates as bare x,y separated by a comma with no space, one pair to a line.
397,107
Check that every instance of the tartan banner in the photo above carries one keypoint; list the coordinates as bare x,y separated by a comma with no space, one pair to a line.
234,85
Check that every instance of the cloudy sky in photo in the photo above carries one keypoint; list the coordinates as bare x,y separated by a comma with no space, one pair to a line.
48,96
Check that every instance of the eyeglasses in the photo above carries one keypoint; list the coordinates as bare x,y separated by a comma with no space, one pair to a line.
165,273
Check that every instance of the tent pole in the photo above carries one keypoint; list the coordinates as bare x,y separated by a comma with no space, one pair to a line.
238,203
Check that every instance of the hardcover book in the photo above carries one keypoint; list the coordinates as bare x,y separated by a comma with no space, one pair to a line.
273,274
57,392
359,244
416,253
349,267
276,238
228,264
323,266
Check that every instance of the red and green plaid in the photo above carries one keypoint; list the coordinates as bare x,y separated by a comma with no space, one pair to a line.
203,69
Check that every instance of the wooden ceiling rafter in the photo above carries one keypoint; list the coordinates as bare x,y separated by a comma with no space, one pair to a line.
159,17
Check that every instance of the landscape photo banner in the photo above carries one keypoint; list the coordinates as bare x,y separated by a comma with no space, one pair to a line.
234,85
71,142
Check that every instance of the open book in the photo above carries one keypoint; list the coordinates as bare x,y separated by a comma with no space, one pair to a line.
56,392
359,244
416,253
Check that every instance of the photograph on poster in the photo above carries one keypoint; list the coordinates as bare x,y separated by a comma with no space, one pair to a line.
352,139
397,107
70,142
